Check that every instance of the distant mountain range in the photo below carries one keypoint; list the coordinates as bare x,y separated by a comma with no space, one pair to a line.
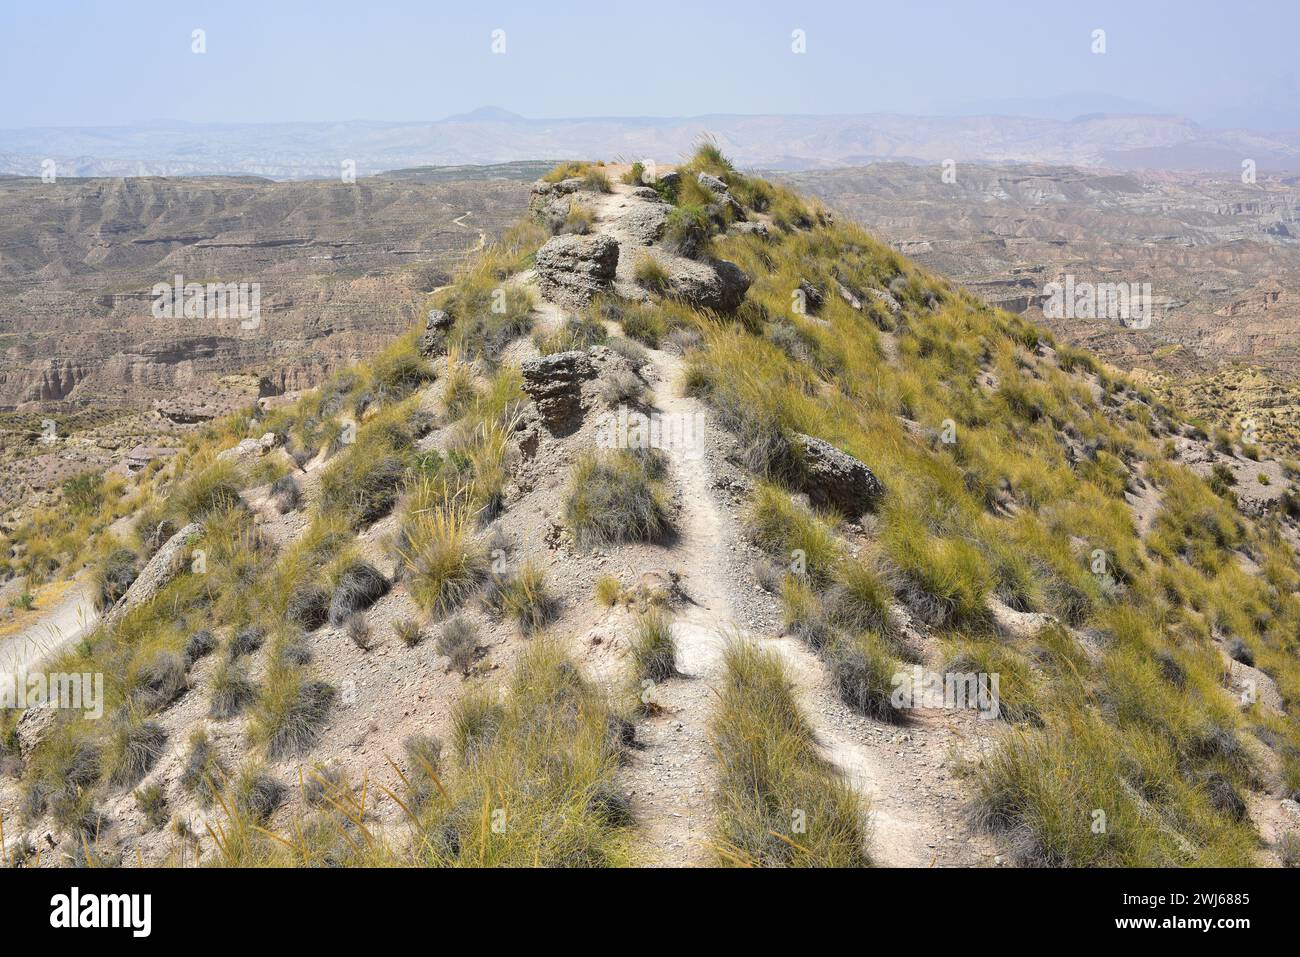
493,135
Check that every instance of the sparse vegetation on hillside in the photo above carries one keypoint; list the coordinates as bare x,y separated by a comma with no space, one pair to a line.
1000,511
779,803
1038,522
618,497
534,781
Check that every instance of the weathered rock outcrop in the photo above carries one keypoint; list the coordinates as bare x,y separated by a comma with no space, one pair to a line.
249,449
836,479
724,199
169,561
433,341
554,382
643,224
717,285
1250,685
813,297
750,229
572,269
550,199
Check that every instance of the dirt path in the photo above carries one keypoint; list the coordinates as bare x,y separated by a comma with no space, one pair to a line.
671,778
71,617
916,806
902,773
482,236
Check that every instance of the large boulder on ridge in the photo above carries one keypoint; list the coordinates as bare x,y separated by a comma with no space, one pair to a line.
835,479
170,561
717,285
573,269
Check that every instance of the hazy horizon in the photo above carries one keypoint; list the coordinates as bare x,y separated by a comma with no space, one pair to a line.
482,112
79,65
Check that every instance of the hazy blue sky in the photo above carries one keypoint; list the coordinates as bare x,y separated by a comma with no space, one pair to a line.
109,63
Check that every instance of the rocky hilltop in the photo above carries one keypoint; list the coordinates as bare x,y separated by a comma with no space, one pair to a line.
689,526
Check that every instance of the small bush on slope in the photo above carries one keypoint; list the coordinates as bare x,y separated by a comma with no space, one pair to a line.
489,314
114,574
860,599
231,690
654,653
804,613
687,230
523,597
357,586
946,580
443,562
62,775
134,748
617,497
204,774
152,802
863,670
398,370
1041,792
458,641
791,532
364,483
778,804
290,712
215,489
641,322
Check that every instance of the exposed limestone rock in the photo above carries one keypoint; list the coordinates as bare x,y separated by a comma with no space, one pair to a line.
169,561
717,285
887,300
712,183
750,229
572,269
836,479
554,382
724,198
433,341
550,199
249,449
848,296
644,222
1018,625
140,456
1251,685
813,297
